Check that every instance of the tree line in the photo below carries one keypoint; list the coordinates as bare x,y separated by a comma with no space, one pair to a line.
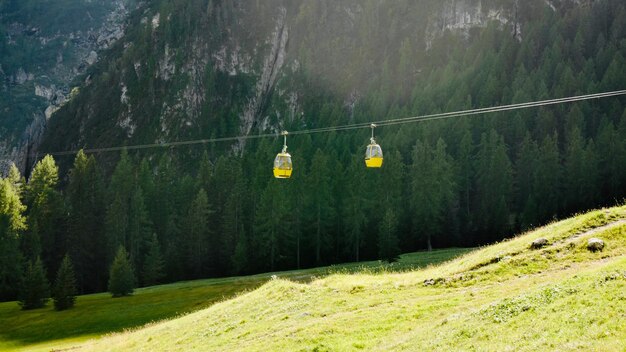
230,216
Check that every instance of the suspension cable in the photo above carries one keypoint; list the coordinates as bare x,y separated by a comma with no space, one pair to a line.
390,122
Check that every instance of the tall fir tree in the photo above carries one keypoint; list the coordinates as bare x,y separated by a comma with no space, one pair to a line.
121,189
272,225
116,224
196,235
388,248
154,265
240,259
354,209
12,226
121,275
465,162
46,207
232,228
433,188
494,183
547,181
86,241
139,229
321,211
64,291
35,290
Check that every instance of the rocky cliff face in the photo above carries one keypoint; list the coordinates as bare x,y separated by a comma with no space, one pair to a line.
41,59
223,68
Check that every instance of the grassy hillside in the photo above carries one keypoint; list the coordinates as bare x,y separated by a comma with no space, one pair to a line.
99,314
503,297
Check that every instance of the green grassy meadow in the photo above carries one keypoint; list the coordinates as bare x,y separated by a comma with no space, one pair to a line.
99,314
504,297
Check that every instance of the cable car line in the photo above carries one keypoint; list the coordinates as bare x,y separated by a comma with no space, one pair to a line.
391,122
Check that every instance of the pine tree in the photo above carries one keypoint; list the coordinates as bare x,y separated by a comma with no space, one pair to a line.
233,219
120,192
121,275
139,228
526,168
35,290
166,217
548,179
47,209
16,179
30,242
465,179
354,210
12,225
86,238
153,267
272,224
116,224
388,237
240,257
494,182
432,188
608,145
64,292
321,200
196,235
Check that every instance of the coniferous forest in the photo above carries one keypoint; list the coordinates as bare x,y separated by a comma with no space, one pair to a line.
205,211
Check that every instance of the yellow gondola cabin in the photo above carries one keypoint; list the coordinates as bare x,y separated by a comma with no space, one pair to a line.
373,153
283,166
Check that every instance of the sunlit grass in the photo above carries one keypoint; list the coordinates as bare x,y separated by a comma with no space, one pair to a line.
98,314
505,297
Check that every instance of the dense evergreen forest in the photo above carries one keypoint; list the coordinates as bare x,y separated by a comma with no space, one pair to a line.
205,211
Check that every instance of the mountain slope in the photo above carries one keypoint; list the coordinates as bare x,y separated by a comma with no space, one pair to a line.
44,45
224,68
503,297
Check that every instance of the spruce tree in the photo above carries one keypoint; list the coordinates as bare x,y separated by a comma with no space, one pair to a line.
16,179
388,237
139,228
86,233
233,218
271,225
116,224
153,264
240,257
494,182
355,212
321,211
30,241
121,275
196,236
35,290
465,180
432,189
64,292
121,190
46,207
548,179
12,226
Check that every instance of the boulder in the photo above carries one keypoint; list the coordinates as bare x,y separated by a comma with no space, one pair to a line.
595,244
539,243
429,282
